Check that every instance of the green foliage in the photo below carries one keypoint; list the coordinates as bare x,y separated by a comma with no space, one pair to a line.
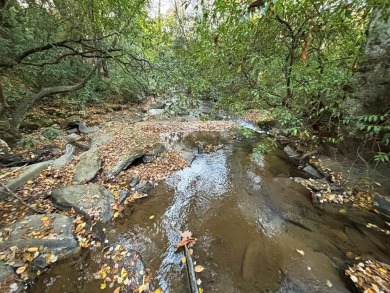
51,132
28,142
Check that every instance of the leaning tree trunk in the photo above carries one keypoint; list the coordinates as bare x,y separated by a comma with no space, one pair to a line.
372,80
9,126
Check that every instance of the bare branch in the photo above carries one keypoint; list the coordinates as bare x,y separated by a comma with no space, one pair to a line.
10,192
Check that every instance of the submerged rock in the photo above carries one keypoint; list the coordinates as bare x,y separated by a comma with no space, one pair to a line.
92,201
88,167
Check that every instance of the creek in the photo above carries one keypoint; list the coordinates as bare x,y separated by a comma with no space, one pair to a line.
257,230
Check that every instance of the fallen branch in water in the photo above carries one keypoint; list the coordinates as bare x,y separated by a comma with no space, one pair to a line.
9,191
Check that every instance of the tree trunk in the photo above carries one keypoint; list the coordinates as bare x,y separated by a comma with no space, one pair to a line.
21,111
372,79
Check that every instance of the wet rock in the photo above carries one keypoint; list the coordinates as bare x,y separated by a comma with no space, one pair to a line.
158,149
134,181
187,156
88,166
123,195
7,277
291,153
312,171
383,204
65,158
30,173
144,187
56,238
155,112
124,162
92,201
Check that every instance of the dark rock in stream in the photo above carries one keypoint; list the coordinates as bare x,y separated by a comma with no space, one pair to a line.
312,171
88,167
291,153
92,201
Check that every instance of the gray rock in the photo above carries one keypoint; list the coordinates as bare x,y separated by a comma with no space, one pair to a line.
31,172
313,171
134,182
124,162
144,187
88,166
123,194
65,158
155,112
158,149
87,130
92,201
58,236
72,137
7,277
187,156
291,153
98,141
383,204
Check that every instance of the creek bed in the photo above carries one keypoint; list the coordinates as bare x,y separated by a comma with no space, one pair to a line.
257,230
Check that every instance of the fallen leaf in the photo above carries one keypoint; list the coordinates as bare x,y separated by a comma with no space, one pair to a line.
300,251
200,290
329,283
117,290
198,268
159,290
142,288
103,286
183,259
21,269
151,217
32,249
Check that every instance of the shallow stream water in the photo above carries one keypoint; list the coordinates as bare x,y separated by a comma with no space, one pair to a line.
257,230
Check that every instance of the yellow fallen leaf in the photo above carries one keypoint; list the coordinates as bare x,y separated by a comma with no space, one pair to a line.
300,251
21,269
200,290
183,259
43,219
159,290
198,268
103,286
32,249
142,288
123,273
117,290
116,214
151,217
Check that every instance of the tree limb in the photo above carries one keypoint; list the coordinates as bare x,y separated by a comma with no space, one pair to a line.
10,192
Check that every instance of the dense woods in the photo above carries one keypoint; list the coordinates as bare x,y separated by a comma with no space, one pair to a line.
297,59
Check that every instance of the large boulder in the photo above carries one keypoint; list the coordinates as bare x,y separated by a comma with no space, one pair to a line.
50,233
124,162
92,201
88,166
8,279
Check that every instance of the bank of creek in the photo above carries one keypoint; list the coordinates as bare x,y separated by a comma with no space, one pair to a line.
257,230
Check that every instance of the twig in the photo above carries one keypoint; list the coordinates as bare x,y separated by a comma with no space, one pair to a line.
190,270
9,191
